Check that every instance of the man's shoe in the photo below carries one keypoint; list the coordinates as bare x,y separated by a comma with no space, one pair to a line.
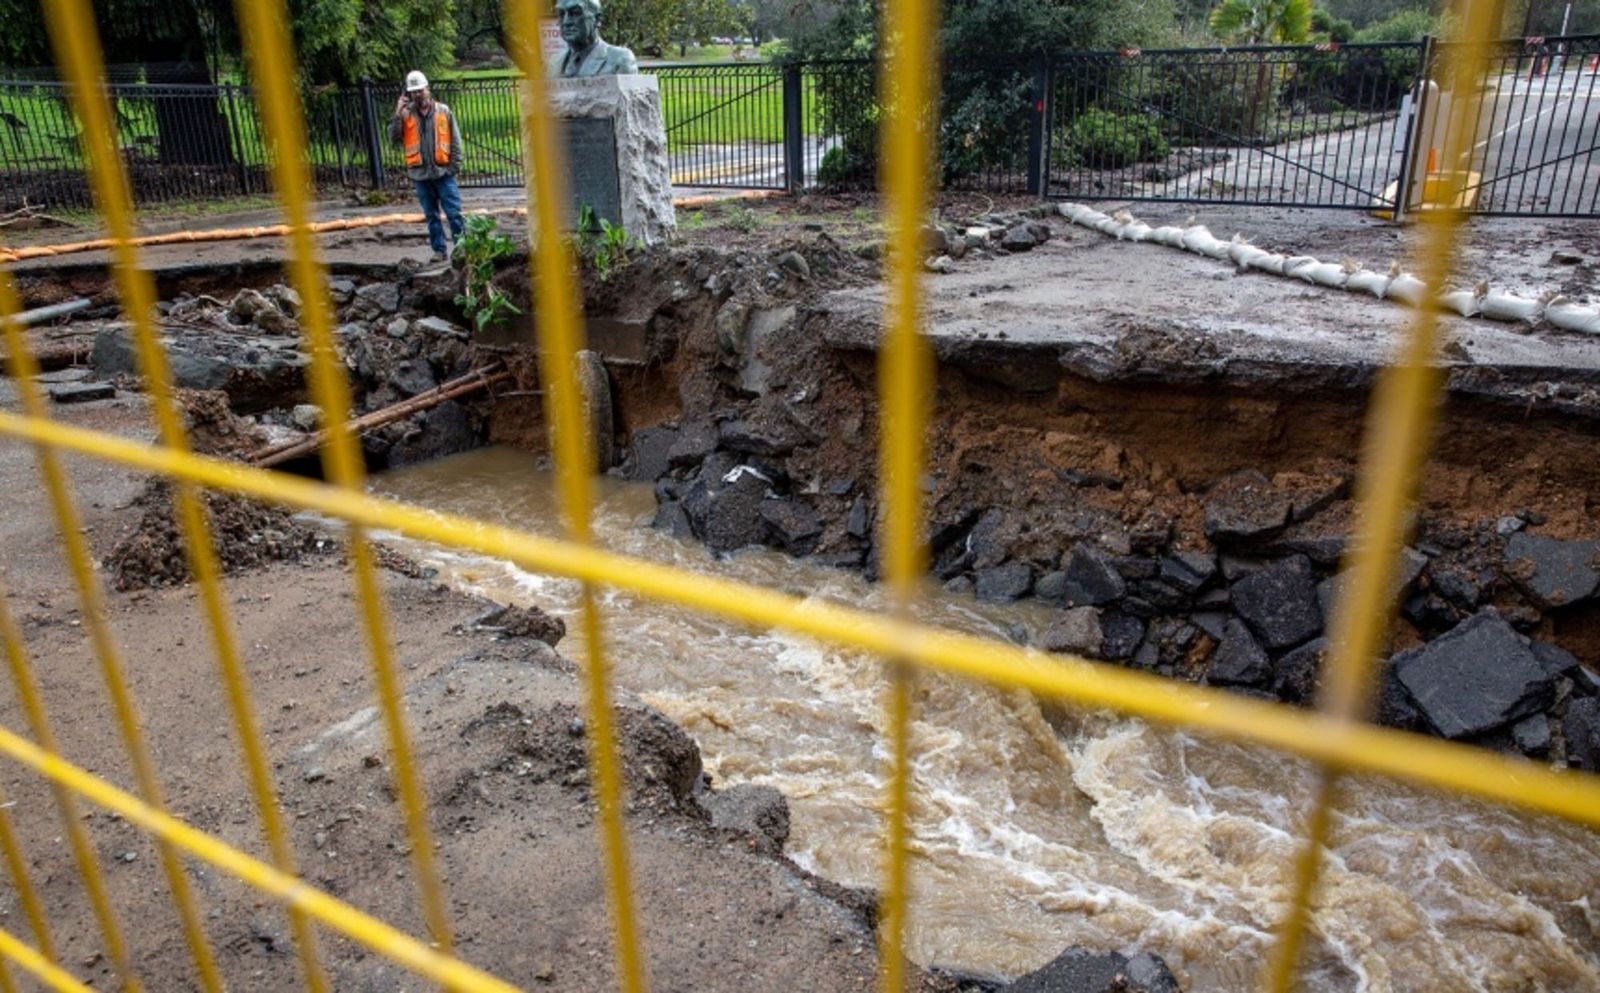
438,257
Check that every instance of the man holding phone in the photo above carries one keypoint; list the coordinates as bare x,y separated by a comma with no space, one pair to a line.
428,132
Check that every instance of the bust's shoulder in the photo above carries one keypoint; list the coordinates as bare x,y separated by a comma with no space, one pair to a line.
620,59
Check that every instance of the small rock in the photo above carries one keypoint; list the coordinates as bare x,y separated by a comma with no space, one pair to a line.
1280,602
1092,578
246,305
794,526
1246,507
1079,970
939,263
80,392
438,327
305,416
412,377
1018,239
342,290
384,298
286,299
747,439
762,812
1296,676
1076,631
695,441
1051,587
1582,729
935,240
1121,633
1509,525
795,263
1532,736
674,520
1004,583
859,521
650,456
1563,257
1477,677
959,586
1554,573
1239,659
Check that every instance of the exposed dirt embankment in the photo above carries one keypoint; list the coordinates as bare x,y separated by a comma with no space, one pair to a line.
1193,524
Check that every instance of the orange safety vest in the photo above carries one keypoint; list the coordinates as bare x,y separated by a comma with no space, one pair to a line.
412,137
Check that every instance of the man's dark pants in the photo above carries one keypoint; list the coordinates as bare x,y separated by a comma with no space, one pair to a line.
436,194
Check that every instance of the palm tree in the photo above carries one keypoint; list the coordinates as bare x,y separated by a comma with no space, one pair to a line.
1257,22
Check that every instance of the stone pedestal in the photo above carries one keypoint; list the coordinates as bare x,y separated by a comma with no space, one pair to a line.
617,151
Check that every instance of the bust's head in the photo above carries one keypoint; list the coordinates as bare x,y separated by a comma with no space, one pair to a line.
580,22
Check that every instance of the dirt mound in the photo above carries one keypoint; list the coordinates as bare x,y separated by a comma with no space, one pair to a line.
247,535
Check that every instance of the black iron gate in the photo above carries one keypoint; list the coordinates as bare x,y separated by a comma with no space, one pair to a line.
1318,126
1533,148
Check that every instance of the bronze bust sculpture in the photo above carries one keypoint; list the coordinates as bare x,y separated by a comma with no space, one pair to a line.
587,54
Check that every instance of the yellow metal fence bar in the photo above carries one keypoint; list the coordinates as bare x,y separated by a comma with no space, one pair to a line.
905,90
17,865
78,51
1399,422
265,26
23,368
32,700
374,934
560,334
1367,748
14,950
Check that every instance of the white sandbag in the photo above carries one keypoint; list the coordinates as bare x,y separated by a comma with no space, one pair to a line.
1569,316
1167,235
1200,241
1270,262
1467,303
1244,254
1330,274
1135,231
1293,265
1366,281
1088,217
1080,213
1512,308
1106,225
1408,289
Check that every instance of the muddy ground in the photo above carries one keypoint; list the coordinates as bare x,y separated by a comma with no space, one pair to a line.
1072,473
498,726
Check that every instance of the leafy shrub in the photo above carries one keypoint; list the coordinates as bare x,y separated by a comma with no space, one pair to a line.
480,250
1406,25
1108,140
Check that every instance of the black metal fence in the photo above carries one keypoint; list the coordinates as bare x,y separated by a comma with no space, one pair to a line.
1533,149
1314,127
1318,126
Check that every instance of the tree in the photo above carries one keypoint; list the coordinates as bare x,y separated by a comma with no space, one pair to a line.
652,25
1254,22
197,41
1257,22
987,47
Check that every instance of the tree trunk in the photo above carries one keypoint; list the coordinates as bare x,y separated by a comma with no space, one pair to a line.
190,126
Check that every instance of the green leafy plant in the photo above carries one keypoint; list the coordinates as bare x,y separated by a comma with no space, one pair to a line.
742,218
1106,140
479,251
608,247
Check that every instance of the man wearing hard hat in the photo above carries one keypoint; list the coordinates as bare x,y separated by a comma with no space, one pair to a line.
428,132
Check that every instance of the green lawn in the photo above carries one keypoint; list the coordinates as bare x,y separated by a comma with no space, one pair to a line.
742,103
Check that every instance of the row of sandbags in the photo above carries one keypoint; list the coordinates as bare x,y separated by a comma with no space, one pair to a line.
1395,284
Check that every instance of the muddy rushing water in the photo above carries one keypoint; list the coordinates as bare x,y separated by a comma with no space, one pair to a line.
1033,834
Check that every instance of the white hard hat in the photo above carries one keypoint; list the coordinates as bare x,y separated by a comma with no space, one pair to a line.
415,81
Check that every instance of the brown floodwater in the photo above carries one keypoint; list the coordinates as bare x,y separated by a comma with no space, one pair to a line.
1031,834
